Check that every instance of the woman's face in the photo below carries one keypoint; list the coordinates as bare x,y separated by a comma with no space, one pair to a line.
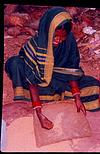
59,36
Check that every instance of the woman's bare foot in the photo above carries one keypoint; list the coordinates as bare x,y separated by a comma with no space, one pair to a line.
45,122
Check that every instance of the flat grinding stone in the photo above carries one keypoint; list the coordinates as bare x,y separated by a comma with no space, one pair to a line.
68,124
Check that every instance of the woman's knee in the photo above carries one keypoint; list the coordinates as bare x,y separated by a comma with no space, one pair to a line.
13,62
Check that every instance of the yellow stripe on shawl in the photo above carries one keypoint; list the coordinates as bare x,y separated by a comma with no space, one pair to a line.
43,63
28,80
32,71
36,53
19,91
40,62
67,93
89,90
28,64
31,47
41,48
92,104
31,59
55,97
34,41
41,54
68,71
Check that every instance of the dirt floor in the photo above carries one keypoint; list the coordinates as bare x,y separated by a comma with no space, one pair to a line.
21,22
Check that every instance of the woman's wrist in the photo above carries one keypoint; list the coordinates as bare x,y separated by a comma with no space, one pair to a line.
77,99
77,96
36,104
37,107
38,110
74,88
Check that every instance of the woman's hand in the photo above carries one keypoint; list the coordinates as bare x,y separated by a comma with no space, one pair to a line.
79,105
44,121
76,93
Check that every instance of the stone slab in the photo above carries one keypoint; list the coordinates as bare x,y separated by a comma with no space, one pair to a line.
68,124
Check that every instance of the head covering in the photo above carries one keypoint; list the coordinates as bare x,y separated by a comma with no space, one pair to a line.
53,18
38,51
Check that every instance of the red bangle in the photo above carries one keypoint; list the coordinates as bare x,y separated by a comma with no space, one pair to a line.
35,104
75,90
74,87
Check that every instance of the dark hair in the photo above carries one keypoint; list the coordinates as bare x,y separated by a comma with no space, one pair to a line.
67,25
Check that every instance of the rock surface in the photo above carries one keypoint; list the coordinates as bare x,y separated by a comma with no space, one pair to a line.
21,133
64,128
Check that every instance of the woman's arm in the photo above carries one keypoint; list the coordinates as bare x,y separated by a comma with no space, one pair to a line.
37,105
76,94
